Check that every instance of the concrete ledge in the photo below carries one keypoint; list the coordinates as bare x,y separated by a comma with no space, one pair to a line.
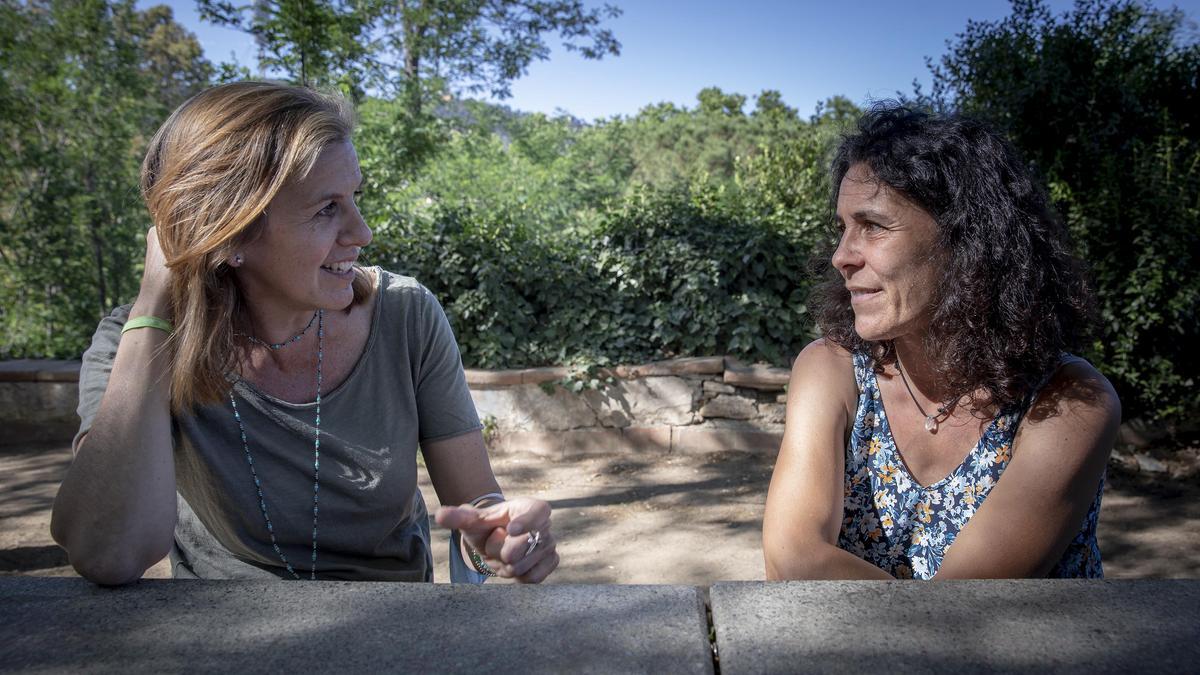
575,443
56,625
504,378
1069,626
757,376
696,365
39,370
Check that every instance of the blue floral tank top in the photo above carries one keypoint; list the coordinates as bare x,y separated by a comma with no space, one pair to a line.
905,528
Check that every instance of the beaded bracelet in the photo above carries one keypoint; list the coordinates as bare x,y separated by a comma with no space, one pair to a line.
477,560
148,322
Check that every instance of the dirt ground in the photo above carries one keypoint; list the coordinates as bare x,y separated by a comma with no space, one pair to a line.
684,519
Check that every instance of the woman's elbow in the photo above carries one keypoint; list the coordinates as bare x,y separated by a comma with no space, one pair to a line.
108,562
796,559
108,572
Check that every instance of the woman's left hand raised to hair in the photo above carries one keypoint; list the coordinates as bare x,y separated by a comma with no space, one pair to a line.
503,534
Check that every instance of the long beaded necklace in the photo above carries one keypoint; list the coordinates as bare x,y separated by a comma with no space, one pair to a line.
931,421
262,500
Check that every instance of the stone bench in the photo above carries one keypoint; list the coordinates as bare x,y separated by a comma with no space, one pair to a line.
62,624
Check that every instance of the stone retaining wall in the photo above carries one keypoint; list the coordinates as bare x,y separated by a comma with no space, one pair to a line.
684,405
38,401
701,405
690,404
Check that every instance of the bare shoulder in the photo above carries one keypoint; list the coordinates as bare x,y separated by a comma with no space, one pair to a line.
822,379
823,363
1076,391
1077,409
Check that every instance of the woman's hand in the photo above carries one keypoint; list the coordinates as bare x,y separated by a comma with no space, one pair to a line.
514,536
154,295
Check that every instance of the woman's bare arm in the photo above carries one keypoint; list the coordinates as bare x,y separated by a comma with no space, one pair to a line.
805,501
115,511
1036,508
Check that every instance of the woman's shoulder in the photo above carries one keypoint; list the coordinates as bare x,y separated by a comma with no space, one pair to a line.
404,296
1077,409
825,358
1075,388
399,288
825,364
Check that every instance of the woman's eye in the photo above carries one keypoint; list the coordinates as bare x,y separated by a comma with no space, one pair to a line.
328,209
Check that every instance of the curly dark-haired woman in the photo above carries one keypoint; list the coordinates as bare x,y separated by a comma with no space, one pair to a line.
941,428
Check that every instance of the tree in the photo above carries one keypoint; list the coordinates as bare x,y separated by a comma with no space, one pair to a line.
171,56
474,46
73,122
315,42
1105,101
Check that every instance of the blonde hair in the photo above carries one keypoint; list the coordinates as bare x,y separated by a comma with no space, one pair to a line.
208,176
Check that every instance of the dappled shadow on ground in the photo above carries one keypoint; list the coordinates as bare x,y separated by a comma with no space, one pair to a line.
653,518
685,518
1150,527
29,478
32,558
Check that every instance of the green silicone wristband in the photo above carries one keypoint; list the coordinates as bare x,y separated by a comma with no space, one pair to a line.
148,322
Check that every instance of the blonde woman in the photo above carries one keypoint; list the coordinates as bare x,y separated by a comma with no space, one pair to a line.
257,411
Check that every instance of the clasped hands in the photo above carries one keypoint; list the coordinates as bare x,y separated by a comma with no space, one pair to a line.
513,536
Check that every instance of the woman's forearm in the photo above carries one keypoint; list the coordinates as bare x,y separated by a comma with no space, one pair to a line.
820,561
115,511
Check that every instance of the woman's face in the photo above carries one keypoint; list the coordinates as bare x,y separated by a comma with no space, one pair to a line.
312,235
887,256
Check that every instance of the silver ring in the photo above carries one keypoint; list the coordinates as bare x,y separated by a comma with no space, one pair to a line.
535,538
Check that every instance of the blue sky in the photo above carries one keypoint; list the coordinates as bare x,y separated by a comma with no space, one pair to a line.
671,49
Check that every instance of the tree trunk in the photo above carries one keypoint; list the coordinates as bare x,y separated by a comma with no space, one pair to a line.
97,247
413,34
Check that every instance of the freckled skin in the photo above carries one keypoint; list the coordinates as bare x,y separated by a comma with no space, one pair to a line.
887,255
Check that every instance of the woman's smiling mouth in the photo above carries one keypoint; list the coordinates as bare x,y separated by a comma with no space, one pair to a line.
860,294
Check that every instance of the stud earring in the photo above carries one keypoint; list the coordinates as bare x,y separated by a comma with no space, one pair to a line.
237,260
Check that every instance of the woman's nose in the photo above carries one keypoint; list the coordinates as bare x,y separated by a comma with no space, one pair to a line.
357,232
847,256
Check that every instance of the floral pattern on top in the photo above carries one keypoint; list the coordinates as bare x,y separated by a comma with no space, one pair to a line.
904,528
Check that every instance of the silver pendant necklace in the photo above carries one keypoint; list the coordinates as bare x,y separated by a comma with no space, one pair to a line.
262,500
931,421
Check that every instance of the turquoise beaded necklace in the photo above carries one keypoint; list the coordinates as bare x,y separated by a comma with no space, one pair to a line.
262,500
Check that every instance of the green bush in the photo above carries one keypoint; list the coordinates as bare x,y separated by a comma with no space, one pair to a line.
668,273
1104,101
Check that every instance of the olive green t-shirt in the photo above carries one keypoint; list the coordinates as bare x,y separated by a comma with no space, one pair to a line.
406,388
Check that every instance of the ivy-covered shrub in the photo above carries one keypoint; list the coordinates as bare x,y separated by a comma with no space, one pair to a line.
669,273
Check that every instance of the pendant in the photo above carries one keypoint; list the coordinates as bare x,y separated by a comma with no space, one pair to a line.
931,424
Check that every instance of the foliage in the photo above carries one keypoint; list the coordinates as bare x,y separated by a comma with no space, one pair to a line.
73,122
475,46
686,271
315,42
413,55
1105,101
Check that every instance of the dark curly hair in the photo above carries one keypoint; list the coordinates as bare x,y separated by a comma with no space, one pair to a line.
1012,297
